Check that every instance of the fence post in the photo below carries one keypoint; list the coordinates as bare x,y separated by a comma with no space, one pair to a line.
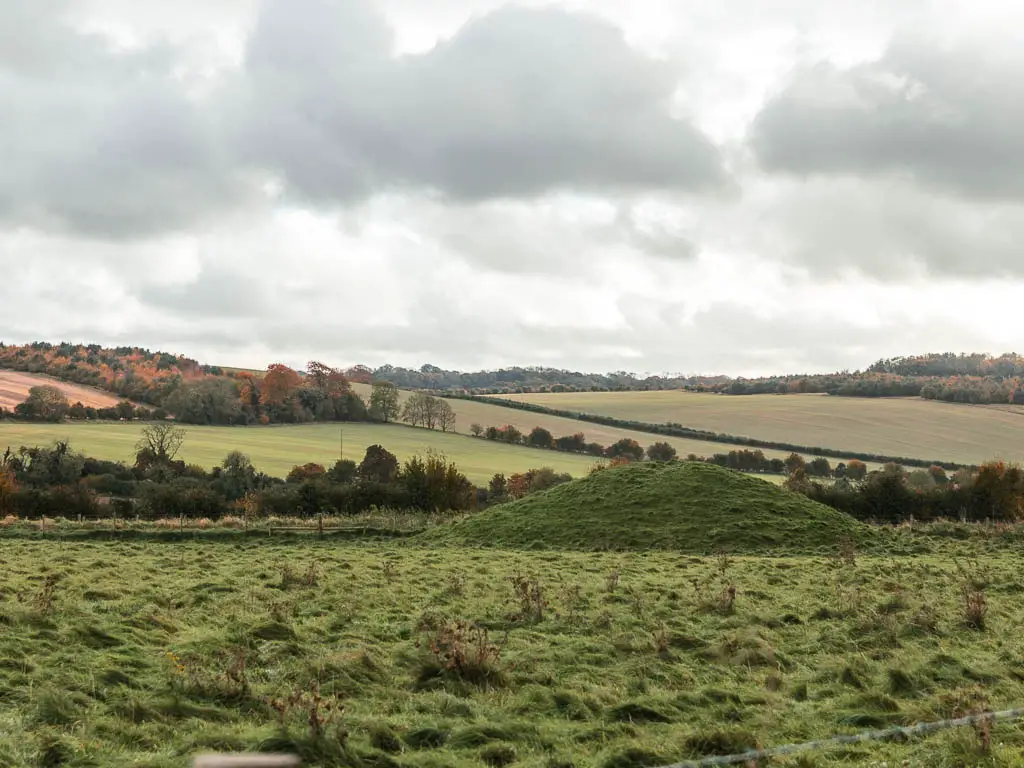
181,522
320,525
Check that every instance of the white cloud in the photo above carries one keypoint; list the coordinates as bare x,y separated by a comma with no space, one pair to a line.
469,184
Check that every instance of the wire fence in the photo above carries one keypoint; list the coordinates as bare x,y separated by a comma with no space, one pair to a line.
752,757
885,734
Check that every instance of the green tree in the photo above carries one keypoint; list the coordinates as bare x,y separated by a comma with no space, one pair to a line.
207,401
238,476
378,465
344,472
540,438
498,486
384,401
44,403
661,451
819,467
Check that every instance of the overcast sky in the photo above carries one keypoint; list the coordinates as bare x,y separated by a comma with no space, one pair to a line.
692,186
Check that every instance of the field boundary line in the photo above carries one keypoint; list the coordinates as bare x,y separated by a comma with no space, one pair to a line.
755,755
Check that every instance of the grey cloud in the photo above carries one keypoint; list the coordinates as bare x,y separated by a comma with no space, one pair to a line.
517,103
101,142
890,229
946,118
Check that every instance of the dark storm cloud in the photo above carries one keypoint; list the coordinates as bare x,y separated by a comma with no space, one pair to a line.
947,118
517,103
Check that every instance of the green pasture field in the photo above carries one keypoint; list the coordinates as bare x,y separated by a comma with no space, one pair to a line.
906,426
143,652
276,449
469,412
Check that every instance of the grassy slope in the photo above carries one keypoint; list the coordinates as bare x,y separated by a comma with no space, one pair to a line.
892,426
277,449
469,412
684,506
811,649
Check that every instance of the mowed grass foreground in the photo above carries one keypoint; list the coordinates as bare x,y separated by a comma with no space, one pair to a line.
275,450
130,653
908,426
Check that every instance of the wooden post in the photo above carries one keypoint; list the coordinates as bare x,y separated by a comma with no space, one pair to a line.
320,525
181,522
245,761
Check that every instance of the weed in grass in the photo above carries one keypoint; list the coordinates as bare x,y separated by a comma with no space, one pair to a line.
612,581
463,650
528,594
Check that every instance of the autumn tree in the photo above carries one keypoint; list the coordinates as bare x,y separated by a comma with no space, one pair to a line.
475,429
384,404
661,451
856,469
304,472
277,390
794,462
626,448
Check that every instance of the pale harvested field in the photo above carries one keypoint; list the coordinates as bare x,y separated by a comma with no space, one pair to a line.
14,387
469,411
909,427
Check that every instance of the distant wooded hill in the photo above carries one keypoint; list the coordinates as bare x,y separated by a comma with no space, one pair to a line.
157,378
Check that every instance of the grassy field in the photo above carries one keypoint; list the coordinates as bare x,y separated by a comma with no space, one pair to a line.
277,449
909,427
141,653
469,412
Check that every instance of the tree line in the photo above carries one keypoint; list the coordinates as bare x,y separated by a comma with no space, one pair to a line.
992,492
57,481
279,397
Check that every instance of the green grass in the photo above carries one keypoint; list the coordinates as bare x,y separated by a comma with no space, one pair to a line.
682,506
134,655
277,449
910,427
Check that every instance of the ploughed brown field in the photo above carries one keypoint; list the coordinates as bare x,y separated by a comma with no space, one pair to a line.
14,387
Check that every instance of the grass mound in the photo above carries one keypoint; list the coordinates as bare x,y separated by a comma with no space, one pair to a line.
686,506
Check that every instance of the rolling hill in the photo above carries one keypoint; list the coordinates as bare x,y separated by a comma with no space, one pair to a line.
469,412
911,427
685,506
14,387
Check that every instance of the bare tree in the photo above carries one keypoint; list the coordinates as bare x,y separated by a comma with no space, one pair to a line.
161,441
445,416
